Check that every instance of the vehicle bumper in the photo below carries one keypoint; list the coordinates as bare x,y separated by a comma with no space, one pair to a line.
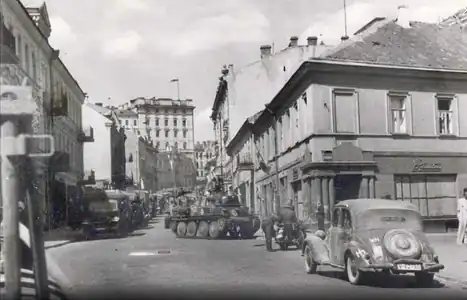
425,267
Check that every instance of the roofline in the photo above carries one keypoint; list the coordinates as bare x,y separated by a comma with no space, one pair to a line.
48,44
245,126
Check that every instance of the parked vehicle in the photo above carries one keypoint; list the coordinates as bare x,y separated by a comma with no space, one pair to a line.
137,212
371,237
107,211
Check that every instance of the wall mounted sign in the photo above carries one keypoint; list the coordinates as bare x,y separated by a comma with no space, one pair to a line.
421,166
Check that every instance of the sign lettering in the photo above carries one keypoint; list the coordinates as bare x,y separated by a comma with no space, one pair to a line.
420,166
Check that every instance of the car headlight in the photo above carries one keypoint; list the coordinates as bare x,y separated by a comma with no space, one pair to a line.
115,219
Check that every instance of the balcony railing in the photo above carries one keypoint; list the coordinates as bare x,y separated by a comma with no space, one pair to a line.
86,135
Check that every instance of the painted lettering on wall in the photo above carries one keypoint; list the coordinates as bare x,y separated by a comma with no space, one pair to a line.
421,166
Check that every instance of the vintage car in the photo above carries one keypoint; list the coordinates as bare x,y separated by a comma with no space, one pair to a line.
371,237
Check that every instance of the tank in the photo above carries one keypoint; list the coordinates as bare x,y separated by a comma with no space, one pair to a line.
221,217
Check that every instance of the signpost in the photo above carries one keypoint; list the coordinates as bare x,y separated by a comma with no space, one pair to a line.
16,111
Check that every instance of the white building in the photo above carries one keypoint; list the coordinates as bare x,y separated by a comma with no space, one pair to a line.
166,122
54,89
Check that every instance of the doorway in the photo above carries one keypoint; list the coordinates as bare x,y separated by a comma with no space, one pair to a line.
347,187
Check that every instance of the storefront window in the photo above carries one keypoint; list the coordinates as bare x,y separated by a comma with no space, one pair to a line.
434,195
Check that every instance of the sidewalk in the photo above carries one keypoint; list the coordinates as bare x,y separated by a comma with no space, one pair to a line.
61,236
451,255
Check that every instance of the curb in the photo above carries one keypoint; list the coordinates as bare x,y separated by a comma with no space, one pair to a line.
451,279
56,245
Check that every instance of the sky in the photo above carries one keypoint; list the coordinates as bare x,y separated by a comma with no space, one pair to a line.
122,49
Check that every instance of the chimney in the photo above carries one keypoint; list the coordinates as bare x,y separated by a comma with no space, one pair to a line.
344,38
293,41
312,40
403,18
99,104
265,50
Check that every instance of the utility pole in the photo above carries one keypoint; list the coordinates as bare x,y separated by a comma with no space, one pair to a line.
16,110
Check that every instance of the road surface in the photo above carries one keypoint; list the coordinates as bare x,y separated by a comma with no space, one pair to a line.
154,263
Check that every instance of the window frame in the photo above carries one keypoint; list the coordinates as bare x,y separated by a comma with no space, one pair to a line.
345,92
408,112
452,113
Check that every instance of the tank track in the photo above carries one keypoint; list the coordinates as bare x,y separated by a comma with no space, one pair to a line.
212,228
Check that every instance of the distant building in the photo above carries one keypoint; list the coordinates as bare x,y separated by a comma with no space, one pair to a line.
141,162
243,91
106,156
204,152
184,175
167,122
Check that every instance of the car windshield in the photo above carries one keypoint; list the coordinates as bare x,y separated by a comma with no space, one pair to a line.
103,206
388,219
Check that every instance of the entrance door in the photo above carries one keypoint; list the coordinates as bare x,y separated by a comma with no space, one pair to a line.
347,187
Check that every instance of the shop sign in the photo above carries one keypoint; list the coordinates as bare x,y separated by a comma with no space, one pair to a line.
421,166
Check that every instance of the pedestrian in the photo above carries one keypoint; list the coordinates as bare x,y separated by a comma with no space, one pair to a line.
462,217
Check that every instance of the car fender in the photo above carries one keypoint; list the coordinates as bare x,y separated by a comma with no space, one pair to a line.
319,248
358,252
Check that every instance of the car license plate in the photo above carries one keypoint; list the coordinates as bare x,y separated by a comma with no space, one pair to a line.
409,267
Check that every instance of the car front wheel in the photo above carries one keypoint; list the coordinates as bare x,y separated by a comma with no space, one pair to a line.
310,265
354,275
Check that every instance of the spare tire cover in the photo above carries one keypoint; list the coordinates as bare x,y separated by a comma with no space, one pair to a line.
402,244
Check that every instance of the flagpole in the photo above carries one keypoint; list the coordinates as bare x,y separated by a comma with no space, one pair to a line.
176,80
345,18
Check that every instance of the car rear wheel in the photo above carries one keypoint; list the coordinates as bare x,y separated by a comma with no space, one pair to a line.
424,279
354,275
310,266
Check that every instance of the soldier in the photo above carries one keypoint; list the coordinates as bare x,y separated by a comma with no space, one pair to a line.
285,216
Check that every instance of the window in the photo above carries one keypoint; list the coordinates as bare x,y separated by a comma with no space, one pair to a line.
157,121
398,113
166,122
157,133
167,145
347,220
175,133
184,145
184,123
158,144
445,115
345,111
166,111
434,195
176,145
135,122
175,111
130,158
183,111
19,47
175,122
34,66
184,133
127,122
335,217
166,133
27,59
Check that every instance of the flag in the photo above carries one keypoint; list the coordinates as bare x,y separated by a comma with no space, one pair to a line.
174,80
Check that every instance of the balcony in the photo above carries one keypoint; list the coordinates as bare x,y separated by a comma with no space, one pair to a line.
245,161
86,135
7,46
59,162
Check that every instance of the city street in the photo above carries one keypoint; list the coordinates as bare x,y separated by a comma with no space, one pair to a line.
154,263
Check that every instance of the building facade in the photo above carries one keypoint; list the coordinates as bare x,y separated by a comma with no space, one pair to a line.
365,121
166,122
175,170
105,158
244,91
141,162
28,57
205,151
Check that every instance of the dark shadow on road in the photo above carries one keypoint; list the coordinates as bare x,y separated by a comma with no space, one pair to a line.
384,281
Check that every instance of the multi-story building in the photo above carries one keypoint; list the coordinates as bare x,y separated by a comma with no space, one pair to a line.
244,91
378,116
105,158
205,151
28,57
141,162
167,122
175,170
459,18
